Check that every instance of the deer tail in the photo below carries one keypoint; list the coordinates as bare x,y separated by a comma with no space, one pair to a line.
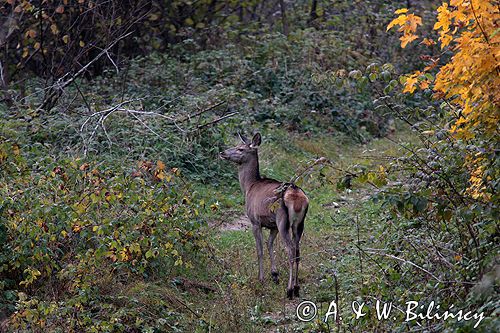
295,201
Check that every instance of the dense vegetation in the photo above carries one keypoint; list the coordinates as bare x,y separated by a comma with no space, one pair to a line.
114,205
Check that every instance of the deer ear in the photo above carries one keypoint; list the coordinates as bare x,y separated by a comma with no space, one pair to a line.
256,140
243,138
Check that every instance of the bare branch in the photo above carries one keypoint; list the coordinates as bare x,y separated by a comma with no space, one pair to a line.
407,262
217,120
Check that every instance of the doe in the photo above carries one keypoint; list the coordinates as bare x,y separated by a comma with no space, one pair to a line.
280,207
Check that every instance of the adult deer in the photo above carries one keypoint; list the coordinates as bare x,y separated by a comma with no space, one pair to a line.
280,207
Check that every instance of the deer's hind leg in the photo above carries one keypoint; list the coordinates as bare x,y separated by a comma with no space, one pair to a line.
272,236
297,218
297,234
284,230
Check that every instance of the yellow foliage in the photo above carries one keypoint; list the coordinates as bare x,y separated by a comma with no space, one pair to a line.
470,81
477,188
472,78
407,25
411,82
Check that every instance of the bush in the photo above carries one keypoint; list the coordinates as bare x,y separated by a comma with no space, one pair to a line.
72,227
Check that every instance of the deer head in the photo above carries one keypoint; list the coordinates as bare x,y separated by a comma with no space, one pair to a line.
244,152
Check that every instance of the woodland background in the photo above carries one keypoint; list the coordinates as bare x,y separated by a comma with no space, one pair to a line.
116,214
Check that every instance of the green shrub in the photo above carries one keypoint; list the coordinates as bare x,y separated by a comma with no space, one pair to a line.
72,226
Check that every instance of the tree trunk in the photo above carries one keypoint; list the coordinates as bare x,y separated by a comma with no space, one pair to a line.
284,20
4,85
313,15
211,12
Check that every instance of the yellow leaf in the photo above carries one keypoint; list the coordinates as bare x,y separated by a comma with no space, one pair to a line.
178,262
445,40
65,39
400,20
15,149
82,43
124,255
424,84
401,11
405,39
54,29
443,18
160,165
428,42
413,21
160,174
36,46
410,84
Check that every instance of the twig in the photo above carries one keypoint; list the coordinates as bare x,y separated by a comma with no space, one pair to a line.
217,120
113,62
108,110
359,247
149,128
56,89
371,259
189,116
407,262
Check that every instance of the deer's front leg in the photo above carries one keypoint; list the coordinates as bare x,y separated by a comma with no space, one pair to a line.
257,233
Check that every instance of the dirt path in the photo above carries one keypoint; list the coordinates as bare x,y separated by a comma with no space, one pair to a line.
232,224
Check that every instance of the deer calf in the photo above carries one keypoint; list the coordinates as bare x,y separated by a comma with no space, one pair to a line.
280,207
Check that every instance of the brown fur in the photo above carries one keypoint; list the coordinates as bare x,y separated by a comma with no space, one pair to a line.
295,198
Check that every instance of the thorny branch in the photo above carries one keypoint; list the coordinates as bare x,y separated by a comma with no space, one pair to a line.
121,107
